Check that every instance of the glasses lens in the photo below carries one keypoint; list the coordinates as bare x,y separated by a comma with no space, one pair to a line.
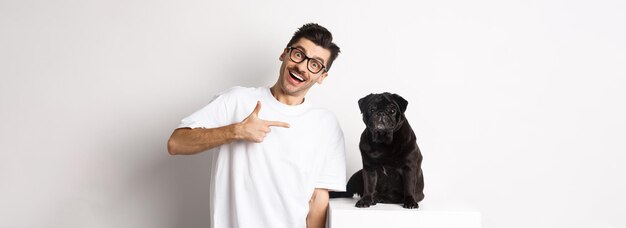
314,66
297,55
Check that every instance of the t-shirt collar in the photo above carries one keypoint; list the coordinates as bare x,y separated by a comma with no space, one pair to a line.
287,109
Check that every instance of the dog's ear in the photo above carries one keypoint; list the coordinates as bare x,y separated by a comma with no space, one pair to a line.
400,101
364,101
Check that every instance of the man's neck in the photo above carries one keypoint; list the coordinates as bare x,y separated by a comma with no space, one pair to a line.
282,97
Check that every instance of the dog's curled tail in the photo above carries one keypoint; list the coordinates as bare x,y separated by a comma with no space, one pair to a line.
354,186
332,194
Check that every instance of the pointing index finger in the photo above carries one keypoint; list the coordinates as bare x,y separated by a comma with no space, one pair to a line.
277,124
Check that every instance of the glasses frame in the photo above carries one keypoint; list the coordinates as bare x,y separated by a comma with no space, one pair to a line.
307,60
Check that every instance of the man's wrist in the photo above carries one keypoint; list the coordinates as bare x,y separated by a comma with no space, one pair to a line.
235,131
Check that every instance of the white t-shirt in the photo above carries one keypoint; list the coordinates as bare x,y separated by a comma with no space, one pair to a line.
269,184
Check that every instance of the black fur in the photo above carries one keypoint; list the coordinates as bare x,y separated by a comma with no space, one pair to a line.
392,160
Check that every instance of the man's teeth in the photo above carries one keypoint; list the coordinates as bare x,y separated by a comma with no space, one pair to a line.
297,77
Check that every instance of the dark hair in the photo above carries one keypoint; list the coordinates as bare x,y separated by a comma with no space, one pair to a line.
318,35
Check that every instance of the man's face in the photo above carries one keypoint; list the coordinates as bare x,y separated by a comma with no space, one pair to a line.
295,78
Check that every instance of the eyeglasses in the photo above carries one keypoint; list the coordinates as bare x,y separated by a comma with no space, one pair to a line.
313,65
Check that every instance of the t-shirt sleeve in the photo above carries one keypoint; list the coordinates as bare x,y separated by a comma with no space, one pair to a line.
333,175
210,116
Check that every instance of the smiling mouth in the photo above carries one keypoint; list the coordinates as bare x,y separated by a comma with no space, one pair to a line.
297,77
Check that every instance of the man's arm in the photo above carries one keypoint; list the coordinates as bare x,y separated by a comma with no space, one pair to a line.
318,205
192,141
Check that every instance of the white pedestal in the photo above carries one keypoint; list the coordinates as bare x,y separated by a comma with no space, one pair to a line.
343,214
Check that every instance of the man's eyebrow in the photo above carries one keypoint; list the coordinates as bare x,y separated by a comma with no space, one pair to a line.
314,57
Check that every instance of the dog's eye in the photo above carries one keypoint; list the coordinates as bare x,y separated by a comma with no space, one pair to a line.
372,109
393,111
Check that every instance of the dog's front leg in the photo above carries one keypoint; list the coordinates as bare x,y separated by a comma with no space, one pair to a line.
410,187
369,189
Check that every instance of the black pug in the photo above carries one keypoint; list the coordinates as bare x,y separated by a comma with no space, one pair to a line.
392,161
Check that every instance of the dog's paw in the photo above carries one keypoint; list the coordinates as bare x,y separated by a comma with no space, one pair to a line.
410,203
365,202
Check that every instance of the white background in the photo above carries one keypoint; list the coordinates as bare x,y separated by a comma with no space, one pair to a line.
518,106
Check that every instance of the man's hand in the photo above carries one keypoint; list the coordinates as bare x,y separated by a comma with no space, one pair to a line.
254,129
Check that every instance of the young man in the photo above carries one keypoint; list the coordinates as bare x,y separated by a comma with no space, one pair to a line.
273,155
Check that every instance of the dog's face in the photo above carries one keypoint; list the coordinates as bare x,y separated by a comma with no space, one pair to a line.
383,114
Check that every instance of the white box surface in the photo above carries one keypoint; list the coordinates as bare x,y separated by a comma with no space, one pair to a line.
343,214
